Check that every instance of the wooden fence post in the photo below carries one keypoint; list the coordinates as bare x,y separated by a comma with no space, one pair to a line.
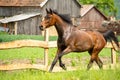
113,56
15,28
46,38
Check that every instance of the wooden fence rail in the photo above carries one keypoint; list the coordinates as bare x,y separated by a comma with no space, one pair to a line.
45,45
27,43
34,43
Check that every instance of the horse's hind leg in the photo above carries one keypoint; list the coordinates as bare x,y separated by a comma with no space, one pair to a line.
91,59
99,62
94,57
90,62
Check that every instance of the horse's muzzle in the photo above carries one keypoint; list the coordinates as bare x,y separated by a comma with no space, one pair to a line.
41,28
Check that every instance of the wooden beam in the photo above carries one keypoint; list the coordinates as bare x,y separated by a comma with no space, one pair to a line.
27,43
46,38
15,27
113,56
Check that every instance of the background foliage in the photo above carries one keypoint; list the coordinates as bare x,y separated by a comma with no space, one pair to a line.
117,4
106,6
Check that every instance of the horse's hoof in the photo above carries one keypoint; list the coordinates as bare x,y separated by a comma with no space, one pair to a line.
63,66
50,71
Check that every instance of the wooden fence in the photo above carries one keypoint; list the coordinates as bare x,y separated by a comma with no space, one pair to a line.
46,44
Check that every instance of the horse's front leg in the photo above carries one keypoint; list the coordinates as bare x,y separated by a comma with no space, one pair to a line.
59,56
65,51
61,64
55,60
53,63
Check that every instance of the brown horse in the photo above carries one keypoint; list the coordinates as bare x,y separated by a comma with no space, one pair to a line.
71,39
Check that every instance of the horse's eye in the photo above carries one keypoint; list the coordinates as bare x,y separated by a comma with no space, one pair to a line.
47,17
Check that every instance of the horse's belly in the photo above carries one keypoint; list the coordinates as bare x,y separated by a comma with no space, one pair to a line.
83,47
80,41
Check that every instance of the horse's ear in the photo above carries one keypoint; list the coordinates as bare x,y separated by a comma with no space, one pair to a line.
51,12
47,10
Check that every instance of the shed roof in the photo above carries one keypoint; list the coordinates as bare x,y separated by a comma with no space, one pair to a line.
22,2
40,3
86,8
18,17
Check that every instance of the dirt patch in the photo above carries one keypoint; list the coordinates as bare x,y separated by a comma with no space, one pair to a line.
71,64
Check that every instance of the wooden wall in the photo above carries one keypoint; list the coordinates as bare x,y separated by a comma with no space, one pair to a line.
11,11
29,26
92,20
64,6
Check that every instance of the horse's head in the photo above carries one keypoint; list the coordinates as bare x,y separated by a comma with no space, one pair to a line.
48,20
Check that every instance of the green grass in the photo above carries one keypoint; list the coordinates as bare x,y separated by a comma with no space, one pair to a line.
31,74
33,53
3,33
21,53
8,38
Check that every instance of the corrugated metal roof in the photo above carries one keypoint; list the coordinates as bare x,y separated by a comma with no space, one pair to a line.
21,2
18,17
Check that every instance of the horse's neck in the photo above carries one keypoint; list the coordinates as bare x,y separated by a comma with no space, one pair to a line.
62,29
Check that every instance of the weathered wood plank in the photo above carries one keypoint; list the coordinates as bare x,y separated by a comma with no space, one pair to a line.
27,43
34,43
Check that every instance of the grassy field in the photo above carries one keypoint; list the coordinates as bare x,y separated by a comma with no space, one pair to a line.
77,59
31,74
8,38
37,54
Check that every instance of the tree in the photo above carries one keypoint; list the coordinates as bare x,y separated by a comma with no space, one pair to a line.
106,6
117,4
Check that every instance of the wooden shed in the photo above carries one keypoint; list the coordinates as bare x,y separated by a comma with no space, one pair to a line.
22,24
21,16
91,18
10,8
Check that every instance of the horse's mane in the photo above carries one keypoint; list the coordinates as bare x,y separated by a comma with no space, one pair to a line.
65,17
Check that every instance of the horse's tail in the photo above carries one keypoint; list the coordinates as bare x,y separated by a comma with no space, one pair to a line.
110,35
